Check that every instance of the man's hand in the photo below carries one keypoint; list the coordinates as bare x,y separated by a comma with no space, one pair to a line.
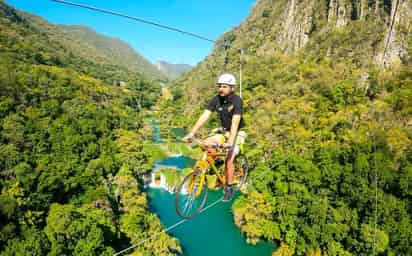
188,138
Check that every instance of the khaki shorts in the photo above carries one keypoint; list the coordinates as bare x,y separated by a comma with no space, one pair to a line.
221,138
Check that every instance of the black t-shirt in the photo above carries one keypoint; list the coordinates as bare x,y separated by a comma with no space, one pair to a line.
226,107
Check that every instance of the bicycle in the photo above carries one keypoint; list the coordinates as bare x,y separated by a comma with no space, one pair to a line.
191,194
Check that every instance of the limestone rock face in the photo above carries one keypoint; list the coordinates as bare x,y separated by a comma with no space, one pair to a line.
289,25
297,25
339,12
398,35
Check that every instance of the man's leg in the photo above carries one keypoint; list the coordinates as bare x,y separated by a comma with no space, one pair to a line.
230,166
230,171
230,159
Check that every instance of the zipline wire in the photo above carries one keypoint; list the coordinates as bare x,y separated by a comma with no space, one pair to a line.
141,20
166,230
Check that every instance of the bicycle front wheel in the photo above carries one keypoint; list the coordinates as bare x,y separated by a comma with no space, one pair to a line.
191,194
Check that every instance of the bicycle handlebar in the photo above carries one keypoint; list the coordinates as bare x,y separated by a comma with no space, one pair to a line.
213,145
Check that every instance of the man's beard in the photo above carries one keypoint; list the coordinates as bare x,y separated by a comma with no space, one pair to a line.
222,94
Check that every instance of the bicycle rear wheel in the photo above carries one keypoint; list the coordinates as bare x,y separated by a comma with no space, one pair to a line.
191,194
241,170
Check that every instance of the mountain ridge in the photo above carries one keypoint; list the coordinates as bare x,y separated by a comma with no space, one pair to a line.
327,97
88,43
172,70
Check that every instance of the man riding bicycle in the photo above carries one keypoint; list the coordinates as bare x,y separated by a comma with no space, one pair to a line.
229,107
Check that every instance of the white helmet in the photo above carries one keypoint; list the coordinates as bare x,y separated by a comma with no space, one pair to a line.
227,79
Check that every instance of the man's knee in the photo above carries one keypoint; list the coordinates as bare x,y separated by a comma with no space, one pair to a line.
215,139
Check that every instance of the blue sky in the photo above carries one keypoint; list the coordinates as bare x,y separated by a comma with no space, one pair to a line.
209,18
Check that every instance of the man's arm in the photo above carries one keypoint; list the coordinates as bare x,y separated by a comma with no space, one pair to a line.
202,119
233,129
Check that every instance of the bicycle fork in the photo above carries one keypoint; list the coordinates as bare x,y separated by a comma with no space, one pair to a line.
197,186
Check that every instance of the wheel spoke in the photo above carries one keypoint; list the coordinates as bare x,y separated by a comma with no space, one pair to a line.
191,195
188,204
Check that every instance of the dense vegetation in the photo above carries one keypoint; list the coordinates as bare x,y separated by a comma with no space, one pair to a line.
71,149
88,44
326,124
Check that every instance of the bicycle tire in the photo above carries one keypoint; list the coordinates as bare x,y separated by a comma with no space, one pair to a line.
184,201
241,170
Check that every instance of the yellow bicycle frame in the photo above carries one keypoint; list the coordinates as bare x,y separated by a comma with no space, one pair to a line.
203,165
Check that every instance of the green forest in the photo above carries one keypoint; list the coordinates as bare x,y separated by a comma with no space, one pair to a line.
71,150
327,96
330,128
